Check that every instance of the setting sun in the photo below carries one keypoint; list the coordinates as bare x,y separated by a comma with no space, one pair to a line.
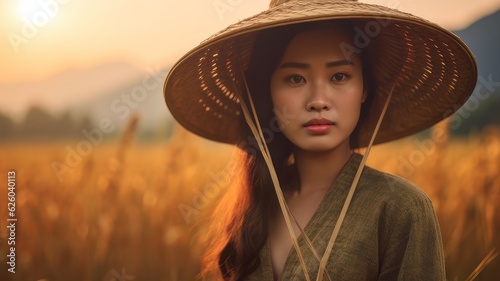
27,8
39,13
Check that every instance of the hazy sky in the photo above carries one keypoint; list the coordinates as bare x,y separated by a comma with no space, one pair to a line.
56,35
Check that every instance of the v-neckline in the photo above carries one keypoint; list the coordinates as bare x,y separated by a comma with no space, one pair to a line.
353,158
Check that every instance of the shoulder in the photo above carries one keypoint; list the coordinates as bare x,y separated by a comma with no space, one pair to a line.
391,185
407,229
395,194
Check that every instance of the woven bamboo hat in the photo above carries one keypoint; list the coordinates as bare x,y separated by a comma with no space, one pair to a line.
432,70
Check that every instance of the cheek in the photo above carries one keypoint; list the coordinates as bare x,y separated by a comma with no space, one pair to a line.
286,108
355,93
283,99
350,104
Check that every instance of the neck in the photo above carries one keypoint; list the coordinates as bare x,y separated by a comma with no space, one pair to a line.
318,170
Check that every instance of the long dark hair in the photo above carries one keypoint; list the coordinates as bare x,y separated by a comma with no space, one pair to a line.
242,218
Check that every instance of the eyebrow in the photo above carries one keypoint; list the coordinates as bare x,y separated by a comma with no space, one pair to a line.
305,65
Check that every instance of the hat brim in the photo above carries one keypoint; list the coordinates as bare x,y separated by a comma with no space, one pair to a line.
433,71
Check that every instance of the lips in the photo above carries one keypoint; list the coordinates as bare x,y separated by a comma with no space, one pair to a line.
319,126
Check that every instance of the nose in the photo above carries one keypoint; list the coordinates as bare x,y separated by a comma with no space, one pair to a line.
319,99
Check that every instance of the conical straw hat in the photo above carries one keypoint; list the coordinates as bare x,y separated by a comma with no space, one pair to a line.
433,70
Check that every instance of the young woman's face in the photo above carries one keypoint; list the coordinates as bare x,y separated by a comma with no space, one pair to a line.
318,91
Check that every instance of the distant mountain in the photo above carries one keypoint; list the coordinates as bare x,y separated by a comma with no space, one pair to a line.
65,89
142,96
483,38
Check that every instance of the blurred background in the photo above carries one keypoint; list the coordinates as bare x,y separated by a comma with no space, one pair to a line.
110,188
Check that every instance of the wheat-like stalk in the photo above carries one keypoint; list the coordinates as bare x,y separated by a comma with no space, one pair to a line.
483,264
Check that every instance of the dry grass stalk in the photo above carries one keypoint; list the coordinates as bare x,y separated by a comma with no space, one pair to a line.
484,263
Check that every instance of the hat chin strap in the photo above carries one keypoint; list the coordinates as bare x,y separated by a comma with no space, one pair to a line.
253,122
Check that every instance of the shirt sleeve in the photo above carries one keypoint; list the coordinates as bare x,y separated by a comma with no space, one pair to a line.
411,243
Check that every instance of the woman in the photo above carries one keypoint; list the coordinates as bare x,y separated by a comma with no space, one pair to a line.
297,88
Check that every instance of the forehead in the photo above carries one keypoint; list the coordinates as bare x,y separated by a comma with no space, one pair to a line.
327,43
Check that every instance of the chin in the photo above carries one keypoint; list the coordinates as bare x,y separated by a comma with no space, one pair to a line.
323,146
320,143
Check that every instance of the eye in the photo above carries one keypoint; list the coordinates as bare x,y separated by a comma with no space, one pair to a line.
339,77
295,79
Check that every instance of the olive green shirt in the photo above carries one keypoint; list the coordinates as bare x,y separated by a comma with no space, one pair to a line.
390,232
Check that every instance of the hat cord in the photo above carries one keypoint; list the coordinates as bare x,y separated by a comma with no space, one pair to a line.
308,241
259,137
340,220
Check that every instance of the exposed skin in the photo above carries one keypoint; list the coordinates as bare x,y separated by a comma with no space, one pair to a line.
314,80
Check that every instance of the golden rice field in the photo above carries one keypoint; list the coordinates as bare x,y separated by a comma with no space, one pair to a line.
130,211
